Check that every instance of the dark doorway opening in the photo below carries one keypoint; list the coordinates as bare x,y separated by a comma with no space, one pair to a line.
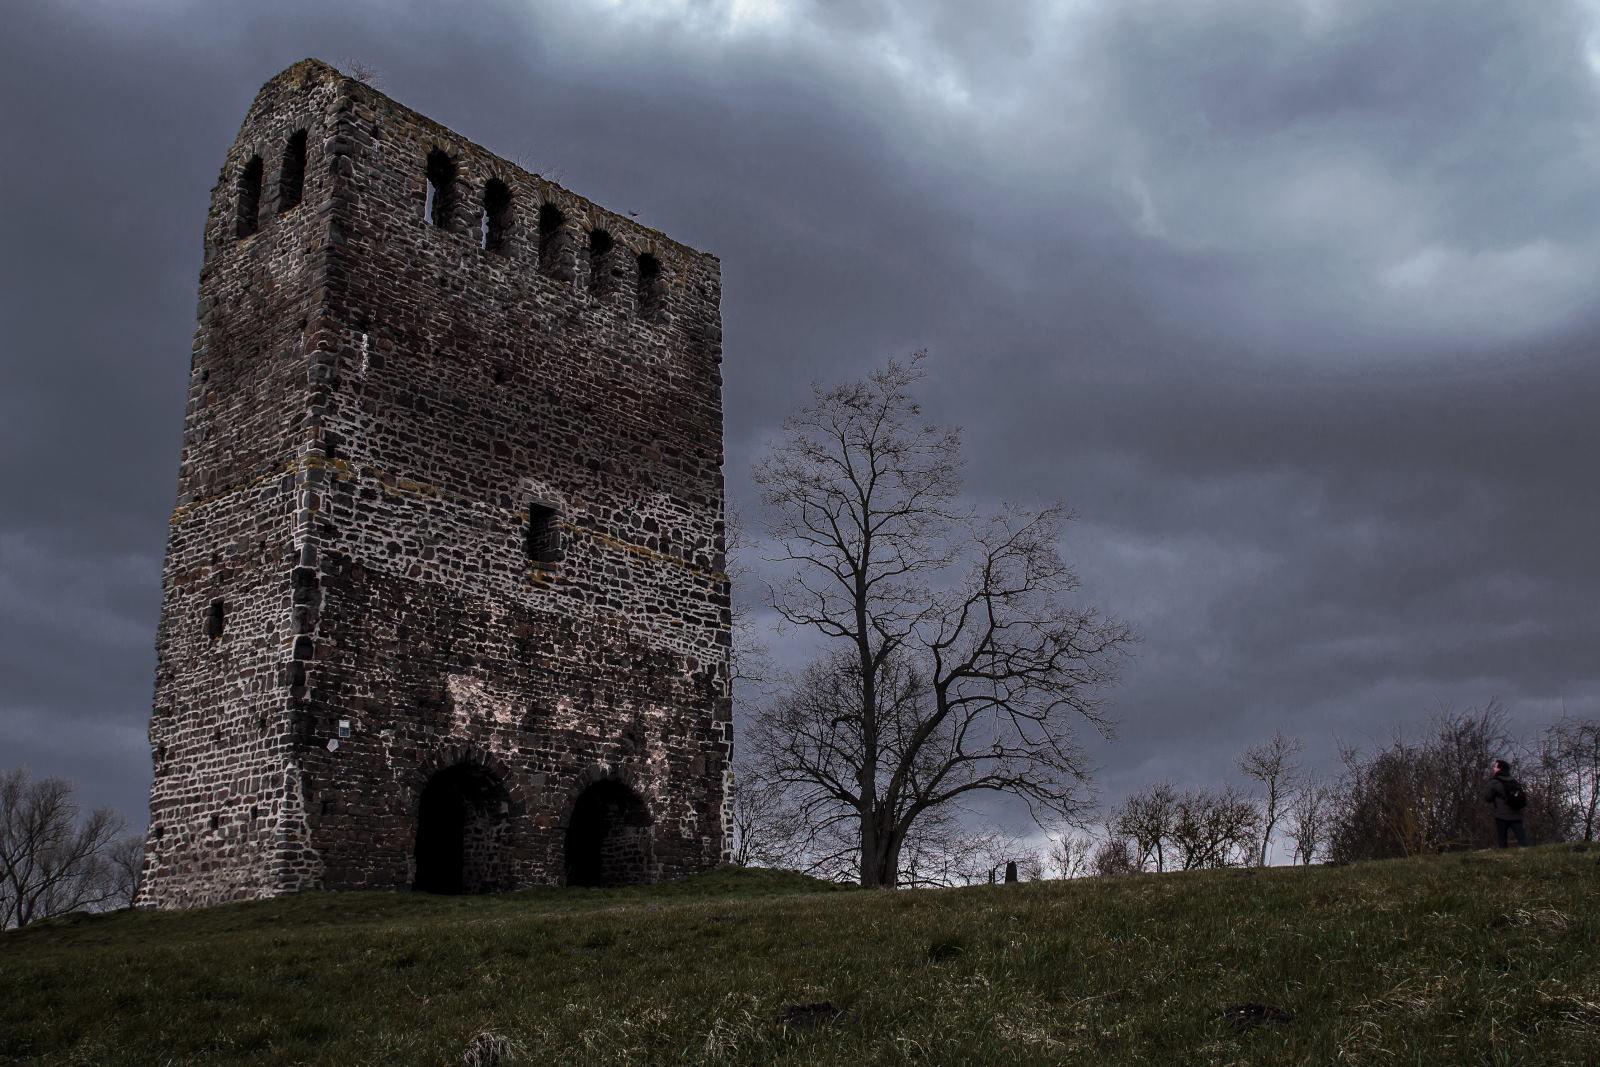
460,819
608,837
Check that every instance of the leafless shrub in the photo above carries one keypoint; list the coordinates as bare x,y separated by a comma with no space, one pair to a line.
1418,797
1568,767
363,72
1114,855
489,1048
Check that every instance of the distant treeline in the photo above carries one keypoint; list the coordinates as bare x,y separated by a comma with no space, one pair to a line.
1407,798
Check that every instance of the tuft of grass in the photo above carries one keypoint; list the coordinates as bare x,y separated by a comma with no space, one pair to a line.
1456,959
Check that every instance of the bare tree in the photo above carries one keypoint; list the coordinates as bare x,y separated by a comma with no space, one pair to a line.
761,822
124,865
51,862
958,665
1114,855
1146,821
1310,818
754,675
1570,750
1214,828
1273,765
1553,812
1070,855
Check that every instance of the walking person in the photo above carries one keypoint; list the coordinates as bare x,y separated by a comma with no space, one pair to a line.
1508,798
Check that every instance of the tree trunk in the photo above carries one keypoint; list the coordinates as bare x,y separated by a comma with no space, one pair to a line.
880,856
1266,835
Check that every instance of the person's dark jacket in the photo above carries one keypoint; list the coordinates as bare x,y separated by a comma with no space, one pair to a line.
1496,794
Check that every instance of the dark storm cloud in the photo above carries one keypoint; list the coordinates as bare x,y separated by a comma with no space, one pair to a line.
1290,301
1344,412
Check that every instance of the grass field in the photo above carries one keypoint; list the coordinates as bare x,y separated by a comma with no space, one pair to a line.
1485,957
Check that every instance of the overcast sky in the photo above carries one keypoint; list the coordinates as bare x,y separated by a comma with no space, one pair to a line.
1293,302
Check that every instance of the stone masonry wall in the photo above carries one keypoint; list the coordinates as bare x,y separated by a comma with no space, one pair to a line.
226,819
462,504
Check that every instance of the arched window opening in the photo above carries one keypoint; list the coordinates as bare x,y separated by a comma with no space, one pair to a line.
292,175
651,290
496,215
600,269
440,206
461,818
552,238
249,198
608,837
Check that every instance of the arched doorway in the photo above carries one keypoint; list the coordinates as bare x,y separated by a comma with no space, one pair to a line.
460,817
608,837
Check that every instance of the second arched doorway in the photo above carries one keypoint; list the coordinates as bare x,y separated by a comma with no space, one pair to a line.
460,818
608,837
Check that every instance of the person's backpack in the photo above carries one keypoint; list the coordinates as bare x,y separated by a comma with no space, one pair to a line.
1516,796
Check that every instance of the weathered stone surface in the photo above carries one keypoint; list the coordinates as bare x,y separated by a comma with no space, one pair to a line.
445,566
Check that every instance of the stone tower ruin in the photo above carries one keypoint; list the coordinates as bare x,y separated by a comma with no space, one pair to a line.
444,596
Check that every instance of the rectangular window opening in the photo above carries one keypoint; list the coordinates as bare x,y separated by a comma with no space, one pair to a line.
544,535
216,619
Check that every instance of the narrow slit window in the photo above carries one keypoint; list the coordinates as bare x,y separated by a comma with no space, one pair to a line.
292,175
552,223
600,246
249,198
440,205
650,288
216,619
543,542
496,215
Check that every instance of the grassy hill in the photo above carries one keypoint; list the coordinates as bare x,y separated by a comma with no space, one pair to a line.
1470,958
